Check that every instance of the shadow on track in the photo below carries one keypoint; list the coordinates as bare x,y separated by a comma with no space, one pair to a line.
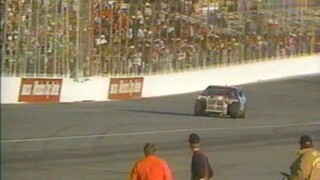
159,112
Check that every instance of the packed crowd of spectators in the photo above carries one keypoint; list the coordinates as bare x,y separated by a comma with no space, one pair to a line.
147,36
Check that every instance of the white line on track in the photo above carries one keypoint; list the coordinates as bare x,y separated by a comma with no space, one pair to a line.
157,132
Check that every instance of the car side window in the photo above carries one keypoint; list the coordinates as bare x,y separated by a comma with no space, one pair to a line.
241,93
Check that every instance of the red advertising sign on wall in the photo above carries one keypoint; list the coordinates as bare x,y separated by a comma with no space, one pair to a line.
40,90
125,88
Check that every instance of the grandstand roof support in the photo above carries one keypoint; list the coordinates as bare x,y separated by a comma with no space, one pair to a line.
78,64
4,39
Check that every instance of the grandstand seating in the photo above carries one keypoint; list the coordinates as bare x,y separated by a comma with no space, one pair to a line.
89,38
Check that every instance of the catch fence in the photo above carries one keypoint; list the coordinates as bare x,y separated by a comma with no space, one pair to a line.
78,38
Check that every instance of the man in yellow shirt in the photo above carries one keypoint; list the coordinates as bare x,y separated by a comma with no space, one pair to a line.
307,164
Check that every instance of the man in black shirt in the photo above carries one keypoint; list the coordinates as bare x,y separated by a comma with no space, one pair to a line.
200,166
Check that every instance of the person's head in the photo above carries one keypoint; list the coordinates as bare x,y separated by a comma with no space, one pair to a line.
194,141
149,149
305,142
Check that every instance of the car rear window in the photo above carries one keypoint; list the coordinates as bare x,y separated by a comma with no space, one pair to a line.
220,91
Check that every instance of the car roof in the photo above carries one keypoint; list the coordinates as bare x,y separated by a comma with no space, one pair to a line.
229,87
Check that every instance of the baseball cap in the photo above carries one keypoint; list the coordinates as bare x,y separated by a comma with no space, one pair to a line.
194,138
305,139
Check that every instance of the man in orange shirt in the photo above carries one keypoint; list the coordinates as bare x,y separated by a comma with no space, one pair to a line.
151,167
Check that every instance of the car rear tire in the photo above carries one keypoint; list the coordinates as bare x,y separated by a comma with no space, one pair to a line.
233,110
199,108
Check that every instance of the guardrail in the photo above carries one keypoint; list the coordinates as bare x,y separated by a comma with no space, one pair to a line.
31,90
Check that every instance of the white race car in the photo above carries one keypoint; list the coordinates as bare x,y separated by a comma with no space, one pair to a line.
222,101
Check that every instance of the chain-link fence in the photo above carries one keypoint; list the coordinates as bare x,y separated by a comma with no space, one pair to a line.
79,38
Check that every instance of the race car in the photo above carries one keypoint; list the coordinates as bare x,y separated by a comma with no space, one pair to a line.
221,100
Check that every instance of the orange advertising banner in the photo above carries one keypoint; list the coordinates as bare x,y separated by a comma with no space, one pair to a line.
125,88
40,90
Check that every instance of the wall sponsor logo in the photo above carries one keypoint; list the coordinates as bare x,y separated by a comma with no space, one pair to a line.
40,90
125,88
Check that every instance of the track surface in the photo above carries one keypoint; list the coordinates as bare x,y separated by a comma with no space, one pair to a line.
102,140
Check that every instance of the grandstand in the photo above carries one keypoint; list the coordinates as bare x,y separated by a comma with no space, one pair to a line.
74,38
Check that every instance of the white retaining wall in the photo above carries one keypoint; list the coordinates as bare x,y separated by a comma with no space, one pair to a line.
96,88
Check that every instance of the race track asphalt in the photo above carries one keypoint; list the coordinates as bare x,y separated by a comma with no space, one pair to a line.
102,140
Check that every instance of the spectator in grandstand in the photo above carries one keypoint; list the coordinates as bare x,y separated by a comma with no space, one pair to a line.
148,11
151,167
137,63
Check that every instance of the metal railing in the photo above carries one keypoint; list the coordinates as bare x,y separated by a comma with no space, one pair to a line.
76,38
